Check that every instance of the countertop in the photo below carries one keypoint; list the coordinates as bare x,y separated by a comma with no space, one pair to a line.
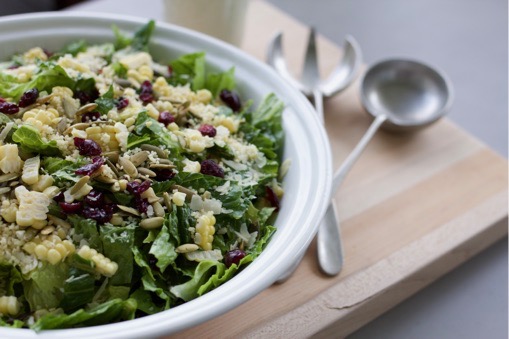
468,40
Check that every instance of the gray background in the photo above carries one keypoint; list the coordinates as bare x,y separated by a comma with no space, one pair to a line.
468,39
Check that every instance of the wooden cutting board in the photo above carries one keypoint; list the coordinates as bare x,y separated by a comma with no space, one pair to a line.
413,207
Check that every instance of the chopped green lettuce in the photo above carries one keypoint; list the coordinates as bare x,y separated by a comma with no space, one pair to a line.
110,311
30,140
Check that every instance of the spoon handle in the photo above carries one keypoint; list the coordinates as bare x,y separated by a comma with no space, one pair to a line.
329,245
350,160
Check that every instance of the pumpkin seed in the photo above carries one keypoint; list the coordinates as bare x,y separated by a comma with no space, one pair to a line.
47,230
139,158
123,82
186,248
4,190
167,201
147,172
129,210
43,99
70,107
85,109
152,223
158,209
112,157
116,219
159,151
59,222
79,185
162,166
128,167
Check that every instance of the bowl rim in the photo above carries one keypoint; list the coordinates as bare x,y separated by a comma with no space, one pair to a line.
163,323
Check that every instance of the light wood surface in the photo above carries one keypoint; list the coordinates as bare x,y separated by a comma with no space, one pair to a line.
413,208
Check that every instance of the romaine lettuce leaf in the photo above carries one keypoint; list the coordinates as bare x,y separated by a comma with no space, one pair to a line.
106,102
264,129
78,289
237,199
144,302
151,131
189,68
44,286
75,47
163,249
216,82
189,290
30,140
9,276
115,241
139,41
86,229
62,170
111,311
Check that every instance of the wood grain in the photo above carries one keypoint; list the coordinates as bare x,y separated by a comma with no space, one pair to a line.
414,207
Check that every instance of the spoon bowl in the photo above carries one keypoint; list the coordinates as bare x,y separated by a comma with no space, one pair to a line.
409,93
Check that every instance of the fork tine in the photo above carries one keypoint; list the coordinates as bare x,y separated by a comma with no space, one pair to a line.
275,58
310,72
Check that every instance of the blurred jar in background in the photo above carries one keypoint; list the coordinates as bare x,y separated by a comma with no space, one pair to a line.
223,19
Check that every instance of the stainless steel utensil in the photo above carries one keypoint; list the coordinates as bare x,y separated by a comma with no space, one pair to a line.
401,95
329,240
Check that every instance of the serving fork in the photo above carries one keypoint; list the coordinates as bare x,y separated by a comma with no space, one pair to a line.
329,246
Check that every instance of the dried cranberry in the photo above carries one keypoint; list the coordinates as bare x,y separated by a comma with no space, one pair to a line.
231,99
13,66
47,52
164,174
146,92
146,87
141,204
166,118
233,257
87,146
83,97
101,215
86,97
209,167
71,207
2,100
208,130
8,108
90,116
95,198
59,197
89,169
170,71
29,97
122,103
146,97
272,197
137,188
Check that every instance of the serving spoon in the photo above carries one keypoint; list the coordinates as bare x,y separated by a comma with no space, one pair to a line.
402,95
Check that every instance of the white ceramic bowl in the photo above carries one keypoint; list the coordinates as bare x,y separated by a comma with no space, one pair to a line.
307,184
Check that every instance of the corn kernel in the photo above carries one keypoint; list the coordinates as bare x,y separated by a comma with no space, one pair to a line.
41,251
54,256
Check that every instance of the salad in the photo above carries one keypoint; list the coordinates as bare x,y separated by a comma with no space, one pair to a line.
127,186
